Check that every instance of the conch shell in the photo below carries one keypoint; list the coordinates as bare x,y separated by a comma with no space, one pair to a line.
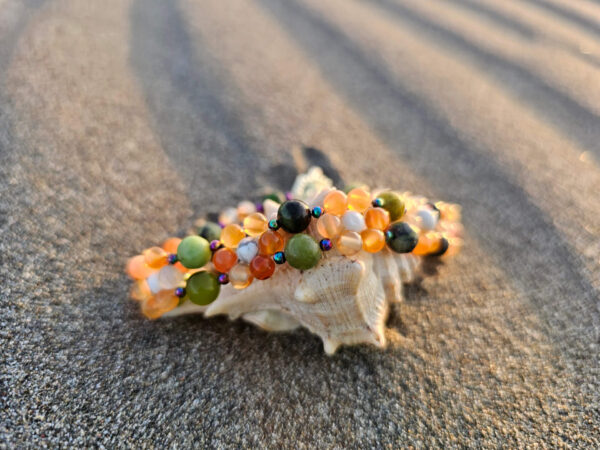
344,300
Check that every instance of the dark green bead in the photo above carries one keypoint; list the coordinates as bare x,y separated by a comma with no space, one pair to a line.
302,252
393,204
276,196
202,288
401,237
293,216
210,231
193,252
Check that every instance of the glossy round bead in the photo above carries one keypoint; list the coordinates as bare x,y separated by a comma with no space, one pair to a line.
140,291
349,243
210,231
215,245
240,276
317,212
359,199
353,221
377,218
223,278
155,257
255,224
247,250
401,237
262,267
180,292
329,226
228,216
429,218
193,252
335,203
137,269
393,204
270,242
231,235
273,225
171,244
202,288
245,208
224,259
293,216
279,258
428,243
169,277
162,302
373,240
302,252
377,203
172,258
325,244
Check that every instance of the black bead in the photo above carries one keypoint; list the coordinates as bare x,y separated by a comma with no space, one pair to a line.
293,216
444,244
401,237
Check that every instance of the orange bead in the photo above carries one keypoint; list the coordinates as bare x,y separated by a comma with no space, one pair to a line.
164,301
255,224
335,203
348,243
231,235
224,259
137,269
245,208
140,291
428,243
329,226
359,199
262,267
171,244
377,218
270,242
155,257
372,240
240,276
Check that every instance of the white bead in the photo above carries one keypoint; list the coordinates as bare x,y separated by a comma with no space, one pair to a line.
169,277
247,249
153,283
353,221
428,218
245,208
271,207
228,215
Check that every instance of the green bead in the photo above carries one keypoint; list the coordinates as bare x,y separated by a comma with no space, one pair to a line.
293,216
276,196
193,252
401,237
202,288
302,252
210,231
393,204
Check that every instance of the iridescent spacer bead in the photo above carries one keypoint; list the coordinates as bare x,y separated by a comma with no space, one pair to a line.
316,212
215,245
180,292
273,224
172,258
279,258
325,244
378,202
223,278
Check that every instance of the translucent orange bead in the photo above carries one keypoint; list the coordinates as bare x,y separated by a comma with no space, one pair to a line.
245,208
428,243
155,257
255,224
137,269
349,243
377,218
231,235
359,199
164,301
140,291
224,259
335,203
171,244
240,276
373,240
270,242
262,267
329,226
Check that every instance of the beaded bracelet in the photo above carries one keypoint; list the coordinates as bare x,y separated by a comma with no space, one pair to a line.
327,259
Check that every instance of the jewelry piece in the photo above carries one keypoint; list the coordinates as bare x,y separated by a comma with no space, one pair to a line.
328,260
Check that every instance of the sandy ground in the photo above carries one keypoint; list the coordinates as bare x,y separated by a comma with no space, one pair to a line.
122,121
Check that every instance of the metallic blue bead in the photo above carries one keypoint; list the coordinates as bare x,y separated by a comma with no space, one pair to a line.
273,224
389,234
172,258
317,211
325,244
180,292
215,245
378,202
223,278
279,257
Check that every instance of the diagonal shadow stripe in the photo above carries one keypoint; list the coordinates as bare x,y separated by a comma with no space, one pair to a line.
567,14
498,212
575,121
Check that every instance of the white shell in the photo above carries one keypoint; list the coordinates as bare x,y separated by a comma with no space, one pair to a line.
247,249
